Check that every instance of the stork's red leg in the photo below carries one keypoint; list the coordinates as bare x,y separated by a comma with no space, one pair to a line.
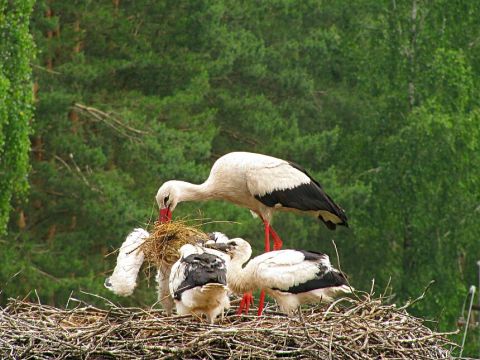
267,235
245,303
248,302
261,303
277,242
268,229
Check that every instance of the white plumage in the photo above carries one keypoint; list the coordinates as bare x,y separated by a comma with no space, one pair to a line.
259,182
123,281
198,282
292,277
217,237
129,261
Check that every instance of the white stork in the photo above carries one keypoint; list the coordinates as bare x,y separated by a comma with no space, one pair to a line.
130,258
292,277
129,261
217,238
261,183
198,282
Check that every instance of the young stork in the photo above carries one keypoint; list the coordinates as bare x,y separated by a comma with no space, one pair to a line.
291,277
261,183
130,258
129,261
198,283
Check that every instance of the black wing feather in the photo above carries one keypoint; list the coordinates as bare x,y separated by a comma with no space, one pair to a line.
329,279
312,255
305,197
202,269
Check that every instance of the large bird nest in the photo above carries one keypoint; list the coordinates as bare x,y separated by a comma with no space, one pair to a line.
161,247
361,328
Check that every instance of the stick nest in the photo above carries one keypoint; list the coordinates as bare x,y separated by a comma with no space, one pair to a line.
161,247
363,328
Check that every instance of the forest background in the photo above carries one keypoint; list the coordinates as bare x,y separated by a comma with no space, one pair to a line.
378,100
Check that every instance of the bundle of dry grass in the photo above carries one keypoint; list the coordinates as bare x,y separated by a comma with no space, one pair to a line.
161,247
359,329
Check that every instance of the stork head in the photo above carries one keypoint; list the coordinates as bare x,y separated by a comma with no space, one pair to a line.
167,200
238,249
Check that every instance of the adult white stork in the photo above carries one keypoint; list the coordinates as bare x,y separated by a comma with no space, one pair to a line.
198,283
261,183
292,277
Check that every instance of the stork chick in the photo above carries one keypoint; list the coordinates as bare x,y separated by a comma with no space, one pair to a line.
291,277
129,261
130,258
198,283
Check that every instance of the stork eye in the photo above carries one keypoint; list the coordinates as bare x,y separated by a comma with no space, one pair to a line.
233,243
165,200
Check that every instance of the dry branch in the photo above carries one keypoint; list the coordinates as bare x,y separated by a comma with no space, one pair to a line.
363,328
107,118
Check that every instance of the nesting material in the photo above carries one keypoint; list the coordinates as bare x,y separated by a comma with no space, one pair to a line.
161,247
364,328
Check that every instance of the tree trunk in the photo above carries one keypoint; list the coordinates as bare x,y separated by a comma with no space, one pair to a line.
78,43
411,56
21,222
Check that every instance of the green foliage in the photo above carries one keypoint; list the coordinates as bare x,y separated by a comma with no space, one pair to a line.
16,52
375,99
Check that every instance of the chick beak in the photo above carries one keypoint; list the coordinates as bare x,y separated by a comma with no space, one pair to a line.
219,246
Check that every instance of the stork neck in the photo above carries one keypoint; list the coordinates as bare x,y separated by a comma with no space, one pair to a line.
192,192
238,277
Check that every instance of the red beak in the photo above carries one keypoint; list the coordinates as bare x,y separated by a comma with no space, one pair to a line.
165,215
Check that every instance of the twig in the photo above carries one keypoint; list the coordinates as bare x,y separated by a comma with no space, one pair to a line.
340,268
119,126
411,302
